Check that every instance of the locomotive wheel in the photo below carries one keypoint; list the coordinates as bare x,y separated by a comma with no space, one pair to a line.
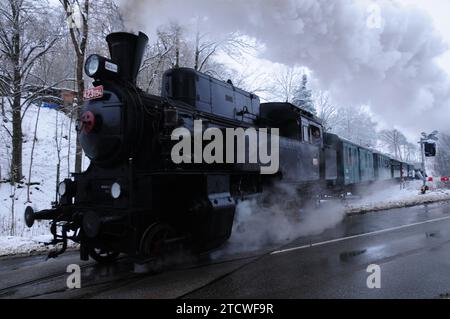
153,242
103,256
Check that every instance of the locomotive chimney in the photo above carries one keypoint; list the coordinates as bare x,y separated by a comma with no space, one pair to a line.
127,51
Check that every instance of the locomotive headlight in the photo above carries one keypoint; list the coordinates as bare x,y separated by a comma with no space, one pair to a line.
98,67
116,190
92,65
66,189
62,188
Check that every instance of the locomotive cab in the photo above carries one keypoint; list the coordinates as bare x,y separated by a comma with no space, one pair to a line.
301,142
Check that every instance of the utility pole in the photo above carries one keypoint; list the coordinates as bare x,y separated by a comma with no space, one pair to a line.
423,140
422,152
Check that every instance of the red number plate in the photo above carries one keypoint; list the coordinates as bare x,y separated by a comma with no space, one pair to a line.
94,93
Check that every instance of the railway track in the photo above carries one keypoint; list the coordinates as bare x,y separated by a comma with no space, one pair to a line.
4,292
98,285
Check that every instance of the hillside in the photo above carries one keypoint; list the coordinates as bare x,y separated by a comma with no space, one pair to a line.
13,200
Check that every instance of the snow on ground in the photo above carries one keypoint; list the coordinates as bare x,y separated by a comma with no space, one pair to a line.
392,196
26,246
44,170
14,245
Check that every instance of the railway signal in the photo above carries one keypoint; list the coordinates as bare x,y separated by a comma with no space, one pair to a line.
428,149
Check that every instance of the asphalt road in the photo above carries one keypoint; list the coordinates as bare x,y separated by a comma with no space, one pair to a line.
411,246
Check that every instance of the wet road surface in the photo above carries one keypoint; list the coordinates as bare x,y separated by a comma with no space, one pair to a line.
411,246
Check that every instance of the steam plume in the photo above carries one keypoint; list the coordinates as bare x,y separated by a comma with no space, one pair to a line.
376,52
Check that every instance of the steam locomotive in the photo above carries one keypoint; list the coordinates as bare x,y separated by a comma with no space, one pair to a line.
134,199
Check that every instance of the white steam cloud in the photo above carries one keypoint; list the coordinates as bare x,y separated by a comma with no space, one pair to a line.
276,219
376,52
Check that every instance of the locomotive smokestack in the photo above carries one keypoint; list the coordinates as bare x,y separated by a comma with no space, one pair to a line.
127,50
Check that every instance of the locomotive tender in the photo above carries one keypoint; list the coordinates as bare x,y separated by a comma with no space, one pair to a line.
134,199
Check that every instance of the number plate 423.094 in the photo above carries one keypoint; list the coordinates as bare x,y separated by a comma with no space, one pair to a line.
93,93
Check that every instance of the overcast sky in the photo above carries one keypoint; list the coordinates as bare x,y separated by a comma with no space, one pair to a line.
387,54
439,10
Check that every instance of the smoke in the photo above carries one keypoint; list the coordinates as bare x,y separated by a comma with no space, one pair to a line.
275,219
379,53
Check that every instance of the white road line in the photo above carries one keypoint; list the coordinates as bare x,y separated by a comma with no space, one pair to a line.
357,236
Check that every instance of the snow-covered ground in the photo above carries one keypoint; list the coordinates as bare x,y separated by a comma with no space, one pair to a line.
14,245
43,173
392,196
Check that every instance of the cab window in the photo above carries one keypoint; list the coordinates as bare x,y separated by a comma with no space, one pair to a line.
316,136
305,134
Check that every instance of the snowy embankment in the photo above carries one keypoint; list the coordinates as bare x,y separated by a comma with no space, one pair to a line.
14,245
393,197
15,237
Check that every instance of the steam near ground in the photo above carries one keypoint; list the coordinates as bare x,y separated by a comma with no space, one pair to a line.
276,219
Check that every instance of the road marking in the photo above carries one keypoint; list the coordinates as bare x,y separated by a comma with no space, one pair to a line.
358,236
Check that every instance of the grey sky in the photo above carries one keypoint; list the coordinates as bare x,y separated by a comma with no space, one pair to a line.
439,10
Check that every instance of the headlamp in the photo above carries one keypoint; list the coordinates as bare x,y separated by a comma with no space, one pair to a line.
92,65
116,190
99,67
62,188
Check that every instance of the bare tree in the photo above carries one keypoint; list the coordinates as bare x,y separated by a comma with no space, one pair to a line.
160,56
105,17
326,110
79,32
58,138
12,230
178,46
206,47
286,82
22,43
32,154
394,140
410,152
250,79
442,162
354,124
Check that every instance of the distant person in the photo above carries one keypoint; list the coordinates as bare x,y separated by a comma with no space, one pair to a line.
315,132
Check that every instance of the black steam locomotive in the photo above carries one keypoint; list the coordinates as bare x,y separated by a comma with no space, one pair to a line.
134,199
